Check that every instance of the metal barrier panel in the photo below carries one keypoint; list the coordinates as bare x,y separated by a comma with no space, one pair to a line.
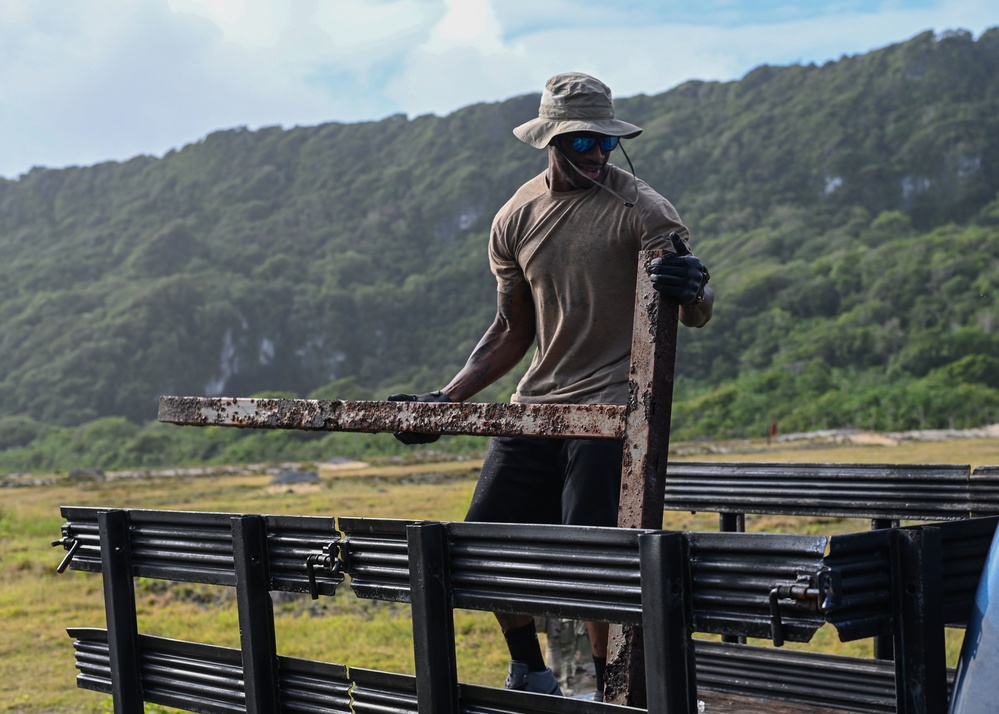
885,492
895,581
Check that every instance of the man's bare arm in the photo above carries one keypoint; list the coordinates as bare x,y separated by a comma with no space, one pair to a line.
698,314
501,348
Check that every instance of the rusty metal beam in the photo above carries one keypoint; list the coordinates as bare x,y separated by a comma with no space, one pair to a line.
650,405
646,453
602,421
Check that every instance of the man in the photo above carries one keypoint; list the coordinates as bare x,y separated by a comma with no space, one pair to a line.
564,250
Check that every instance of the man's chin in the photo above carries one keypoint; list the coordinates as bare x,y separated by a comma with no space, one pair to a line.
581,177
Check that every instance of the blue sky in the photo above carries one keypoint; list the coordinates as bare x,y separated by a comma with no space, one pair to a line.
86,81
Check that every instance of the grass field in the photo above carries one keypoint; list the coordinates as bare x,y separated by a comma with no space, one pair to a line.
37,671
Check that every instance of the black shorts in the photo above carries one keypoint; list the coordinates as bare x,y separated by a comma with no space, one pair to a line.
557,481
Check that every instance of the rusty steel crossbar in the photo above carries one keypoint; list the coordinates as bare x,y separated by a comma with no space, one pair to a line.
479,419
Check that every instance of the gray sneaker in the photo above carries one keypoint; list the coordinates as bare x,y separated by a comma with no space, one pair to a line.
543,682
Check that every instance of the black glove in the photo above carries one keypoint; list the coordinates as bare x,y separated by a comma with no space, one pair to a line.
412,437
679,277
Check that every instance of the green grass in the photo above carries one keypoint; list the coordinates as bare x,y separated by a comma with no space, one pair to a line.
37,673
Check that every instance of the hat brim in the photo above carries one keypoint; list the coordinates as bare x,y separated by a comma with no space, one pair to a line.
539,132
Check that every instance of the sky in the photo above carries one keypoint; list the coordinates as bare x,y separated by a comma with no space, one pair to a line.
88,81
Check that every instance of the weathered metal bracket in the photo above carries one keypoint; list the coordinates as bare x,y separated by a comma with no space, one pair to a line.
72,545
326,560
813,590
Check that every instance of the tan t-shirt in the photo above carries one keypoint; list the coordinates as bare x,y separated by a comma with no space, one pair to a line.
577,252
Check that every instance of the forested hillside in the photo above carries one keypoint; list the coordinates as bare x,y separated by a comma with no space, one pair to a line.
849,214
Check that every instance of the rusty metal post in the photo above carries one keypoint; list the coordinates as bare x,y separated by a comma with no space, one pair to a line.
646,452
650,404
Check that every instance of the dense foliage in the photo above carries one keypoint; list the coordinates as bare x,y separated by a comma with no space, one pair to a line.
849,214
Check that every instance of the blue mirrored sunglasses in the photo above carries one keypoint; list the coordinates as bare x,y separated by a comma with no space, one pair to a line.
582,144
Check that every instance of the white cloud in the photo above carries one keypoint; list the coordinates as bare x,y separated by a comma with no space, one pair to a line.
469,23
248,23
362,33
108,79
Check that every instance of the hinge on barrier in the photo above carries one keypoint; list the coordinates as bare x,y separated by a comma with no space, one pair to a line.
325,560
816,591
70,544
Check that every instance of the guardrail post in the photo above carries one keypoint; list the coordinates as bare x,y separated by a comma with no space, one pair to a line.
433,619
732,523
884,646
119,606
666,622
917,597
256,614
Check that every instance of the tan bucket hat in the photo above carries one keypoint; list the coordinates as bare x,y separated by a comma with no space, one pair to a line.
573,101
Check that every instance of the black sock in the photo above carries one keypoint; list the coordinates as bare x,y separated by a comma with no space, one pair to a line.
600,666
524,647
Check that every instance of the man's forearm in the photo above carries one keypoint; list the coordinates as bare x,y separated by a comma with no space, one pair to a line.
496,354
697,315
501,348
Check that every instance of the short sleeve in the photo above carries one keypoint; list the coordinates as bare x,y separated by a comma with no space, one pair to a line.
661,219
503,261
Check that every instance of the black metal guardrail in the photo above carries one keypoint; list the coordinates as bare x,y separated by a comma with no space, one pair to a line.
209,678
197,547
885,583
200,677
880,492
881,582
887,494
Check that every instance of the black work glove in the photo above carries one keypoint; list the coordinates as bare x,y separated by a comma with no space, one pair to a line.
412,437
679,277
